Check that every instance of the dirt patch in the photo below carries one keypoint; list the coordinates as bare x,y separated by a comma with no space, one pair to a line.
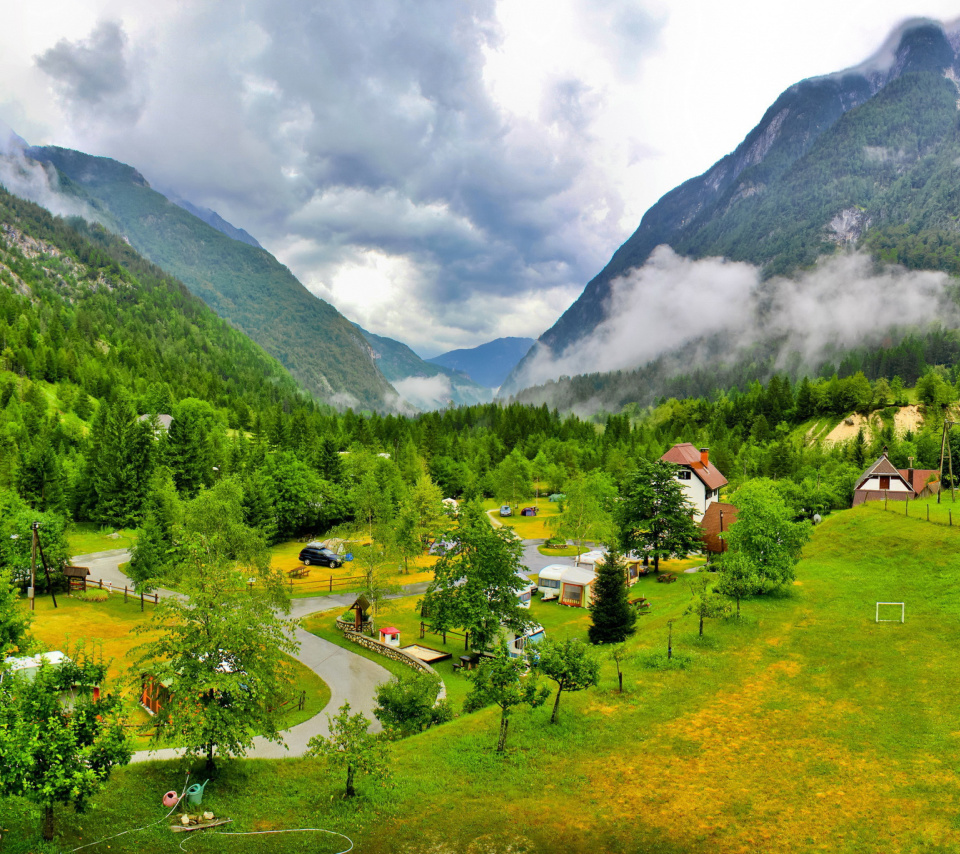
908,418
845,431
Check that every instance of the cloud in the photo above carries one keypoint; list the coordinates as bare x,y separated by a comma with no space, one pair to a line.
35,181
715,309
93,74
337,132
425,392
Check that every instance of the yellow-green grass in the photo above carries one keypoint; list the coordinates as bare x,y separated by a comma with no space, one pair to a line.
285,558
564,551
804,727
527,527
112,626
947,512
85,538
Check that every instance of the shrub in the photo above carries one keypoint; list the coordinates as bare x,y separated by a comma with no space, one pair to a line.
92,595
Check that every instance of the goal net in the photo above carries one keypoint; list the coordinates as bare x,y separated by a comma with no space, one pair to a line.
890,612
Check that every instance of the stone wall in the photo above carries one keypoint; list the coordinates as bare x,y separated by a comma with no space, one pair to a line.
395,654
348,624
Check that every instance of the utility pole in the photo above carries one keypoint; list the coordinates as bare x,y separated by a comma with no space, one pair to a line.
945,446
31,593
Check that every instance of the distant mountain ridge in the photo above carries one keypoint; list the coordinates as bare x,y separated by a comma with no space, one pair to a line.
835,163
244,284
213,219
488,364
421,383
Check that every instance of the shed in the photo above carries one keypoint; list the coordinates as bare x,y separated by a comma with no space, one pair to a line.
76,577
576,587
360,608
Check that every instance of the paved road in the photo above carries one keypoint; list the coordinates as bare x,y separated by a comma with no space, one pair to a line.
350,677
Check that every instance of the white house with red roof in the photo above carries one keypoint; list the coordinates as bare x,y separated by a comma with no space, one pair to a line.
883,481
701,479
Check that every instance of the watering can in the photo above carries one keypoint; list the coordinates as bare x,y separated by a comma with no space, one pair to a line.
195,793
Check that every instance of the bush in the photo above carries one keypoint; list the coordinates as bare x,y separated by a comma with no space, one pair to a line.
92,595
555,543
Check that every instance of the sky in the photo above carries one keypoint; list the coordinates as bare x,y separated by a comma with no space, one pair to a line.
445,172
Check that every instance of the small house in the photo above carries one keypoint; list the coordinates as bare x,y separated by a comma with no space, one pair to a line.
882,481
716,521
390,636
701,480
576,587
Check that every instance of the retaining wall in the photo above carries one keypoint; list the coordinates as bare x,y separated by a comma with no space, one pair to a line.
395,654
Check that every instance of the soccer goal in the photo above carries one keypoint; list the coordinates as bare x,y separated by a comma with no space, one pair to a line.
886,606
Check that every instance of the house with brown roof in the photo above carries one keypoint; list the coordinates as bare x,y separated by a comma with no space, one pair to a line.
701,479
883,481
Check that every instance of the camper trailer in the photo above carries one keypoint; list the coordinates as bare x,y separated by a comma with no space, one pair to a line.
548,581
525,593
516,644
576,587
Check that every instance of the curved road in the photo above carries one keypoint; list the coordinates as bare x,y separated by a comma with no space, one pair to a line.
351,677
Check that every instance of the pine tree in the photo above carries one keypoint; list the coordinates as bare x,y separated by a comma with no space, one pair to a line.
613,618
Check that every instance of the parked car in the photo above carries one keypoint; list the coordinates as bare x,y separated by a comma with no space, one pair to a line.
314,554
505,510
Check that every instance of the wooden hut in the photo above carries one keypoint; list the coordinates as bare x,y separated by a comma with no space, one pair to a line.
76,577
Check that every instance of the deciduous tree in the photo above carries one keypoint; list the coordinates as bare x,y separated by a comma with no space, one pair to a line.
569,664
655,515
503,681
407,704
351,748
706,603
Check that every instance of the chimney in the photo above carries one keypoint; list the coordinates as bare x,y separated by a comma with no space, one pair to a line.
705,456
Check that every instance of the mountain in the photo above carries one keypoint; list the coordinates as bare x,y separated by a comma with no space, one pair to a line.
863,160
213,219
244,284
81,309
424,385
488,364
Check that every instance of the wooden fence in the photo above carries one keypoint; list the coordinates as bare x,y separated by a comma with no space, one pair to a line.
325,585
152,598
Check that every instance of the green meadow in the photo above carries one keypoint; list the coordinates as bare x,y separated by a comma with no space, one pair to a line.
806,726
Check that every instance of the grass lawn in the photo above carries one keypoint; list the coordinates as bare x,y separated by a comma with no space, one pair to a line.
945,513
803,727
111,626
527,527
285,557
563,551
86,539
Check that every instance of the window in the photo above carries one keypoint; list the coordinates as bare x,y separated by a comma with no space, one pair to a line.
525,596
552,583
573,593
683,474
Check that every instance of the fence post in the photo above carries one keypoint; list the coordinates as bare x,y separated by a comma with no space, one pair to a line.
928,512
156,598
466,641
950,515
421,630
101,584
124,592
141,600
331,584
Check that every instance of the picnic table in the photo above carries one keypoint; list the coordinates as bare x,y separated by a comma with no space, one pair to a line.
299,572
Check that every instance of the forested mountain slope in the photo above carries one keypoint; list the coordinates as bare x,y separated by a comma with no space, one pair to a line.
863,159
243,283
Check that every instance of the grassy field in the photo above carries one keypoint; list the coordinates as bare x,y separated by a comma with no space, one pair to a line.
285,557
86,539
111,627
804,727
527,527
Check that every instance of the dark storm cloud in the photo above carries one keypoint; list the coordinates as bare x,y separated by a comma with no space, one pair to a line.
93,73
333,129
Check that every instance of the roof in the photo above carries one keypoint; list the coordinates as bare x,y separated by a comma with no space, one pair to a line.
390,630
711,521
578,575
882,466
33,661
917,479
554,570
688,455
76,571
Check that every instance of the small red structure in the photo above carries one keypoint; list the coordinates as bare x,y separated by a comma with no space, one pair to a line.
390,635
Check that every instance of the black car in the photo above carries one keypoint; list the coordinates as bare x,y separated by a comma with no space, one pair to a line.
316,555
